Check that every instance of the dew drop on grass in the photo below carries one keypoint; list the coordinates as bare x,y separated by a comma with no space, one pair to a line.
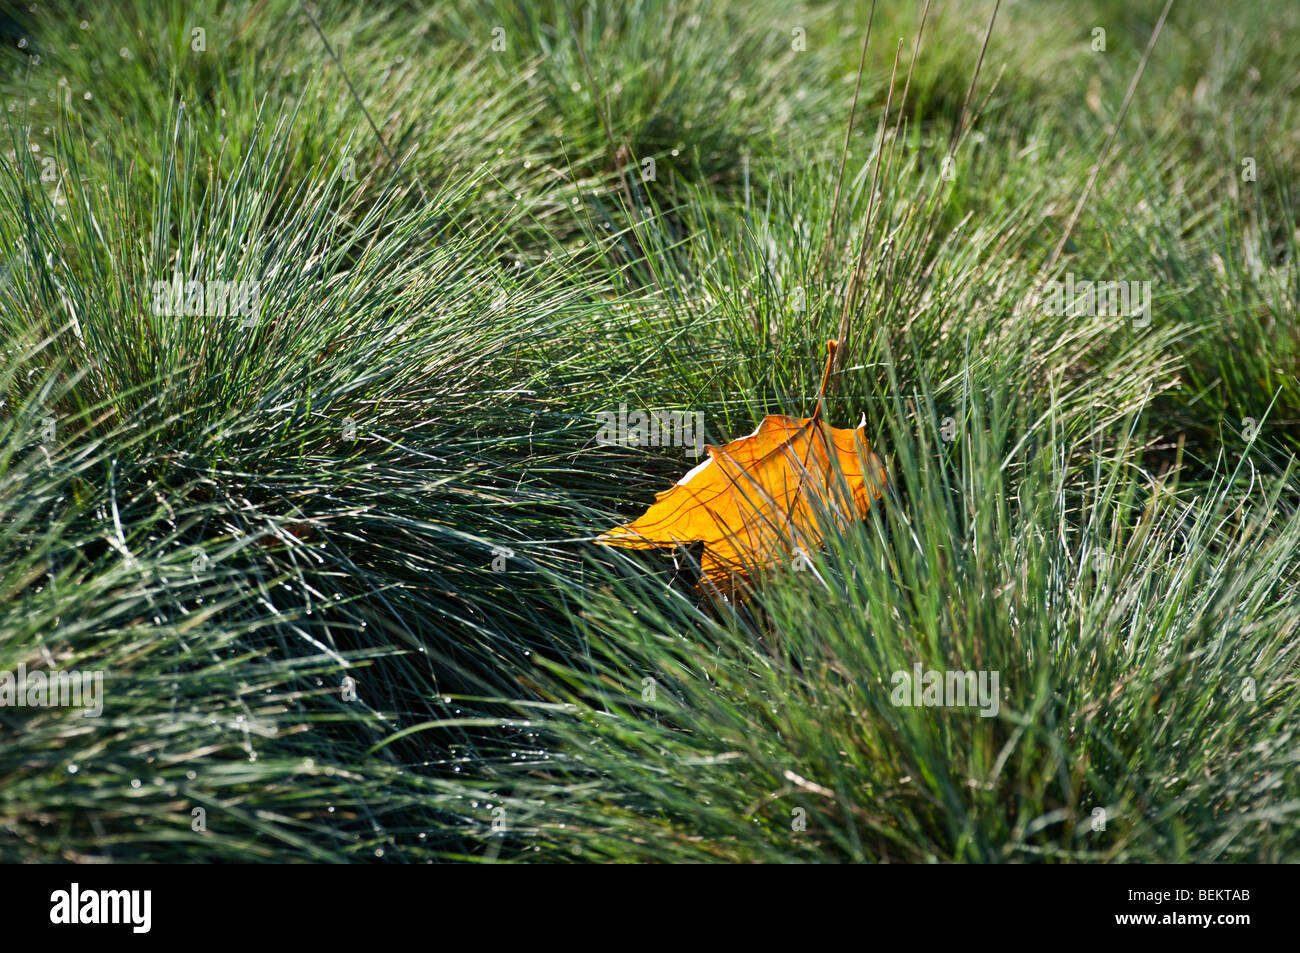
135,782
72,769
190,775
331,808
379,852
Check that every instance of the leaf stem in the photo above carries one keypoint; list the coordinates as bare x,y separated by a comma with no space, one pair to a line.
826,376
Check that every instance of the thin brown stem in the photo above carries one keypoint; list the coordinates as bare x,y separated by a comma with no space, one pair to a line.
851,293
1105,149
831,347
907,86
970,91
848,133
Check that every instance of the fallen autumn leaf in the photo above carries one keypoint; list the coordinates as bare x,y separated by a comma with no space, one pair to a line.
757,500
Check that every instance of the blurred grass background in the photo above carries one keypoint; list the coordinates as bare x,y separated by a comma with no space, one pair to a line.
479,225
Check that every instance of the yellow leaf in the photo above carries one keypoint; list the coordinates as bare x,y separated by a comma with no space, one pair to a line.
761,499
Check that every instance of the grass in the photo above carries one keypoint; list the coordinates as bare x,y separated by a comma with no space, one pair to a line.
336,562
